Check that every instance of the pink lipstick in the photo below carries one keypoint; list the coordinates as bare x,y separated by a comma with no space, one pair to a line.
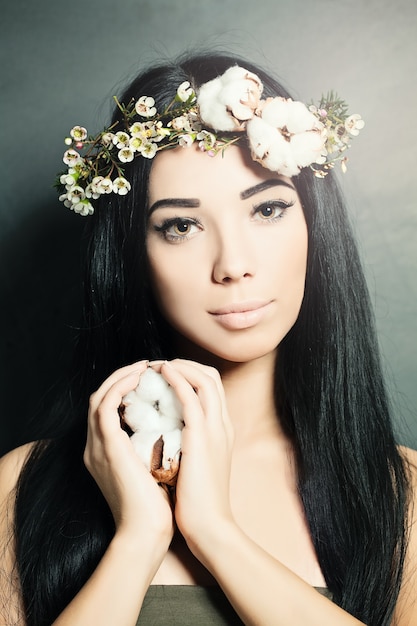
241,315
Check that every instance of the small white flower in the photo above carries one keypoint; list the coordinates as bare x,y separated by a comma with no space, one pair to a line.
206,140
126,155
64,198
91,191
83,208
68,180
159,132
108,140
180,123
78,133
228,101
137,129
185,141
121,139
76,193
72,157
145,106
354,123
137,142
121,186
149,150
184,91
68,141
194,121
103,185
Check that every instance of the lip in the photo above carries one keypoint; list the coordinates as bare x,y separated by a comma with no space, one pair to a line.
241,315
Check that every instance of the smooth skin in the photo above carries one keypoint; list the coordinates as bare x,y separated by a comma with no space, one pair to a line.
237,517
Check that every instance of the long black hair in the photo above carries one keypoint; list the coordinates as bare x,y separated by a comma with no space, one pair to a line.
330,397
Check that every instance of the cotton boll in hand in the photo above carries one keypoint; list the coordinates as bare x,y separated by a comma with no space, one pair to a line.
153,413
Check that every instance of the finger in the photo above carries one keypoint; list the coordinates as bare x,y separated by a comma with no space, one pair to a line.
97,396
202,377
212,372
191,383
104,418
192,409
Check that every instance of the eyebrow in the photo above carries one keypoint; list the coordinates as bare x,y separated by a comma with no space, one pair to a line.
188,203
193,203
265,184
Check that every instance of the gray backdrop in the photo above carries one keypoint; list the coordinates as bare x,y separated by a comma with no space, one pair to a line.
60,64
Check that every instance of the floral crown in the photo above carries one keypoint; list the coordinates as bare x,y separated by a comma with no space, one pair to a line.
283,135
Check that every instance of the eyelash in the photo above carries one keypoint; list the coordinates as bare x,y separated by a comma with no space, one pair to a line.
163,229
278,205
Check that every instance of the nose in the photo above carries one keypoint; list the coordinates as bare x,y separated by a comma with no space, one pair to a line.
234,258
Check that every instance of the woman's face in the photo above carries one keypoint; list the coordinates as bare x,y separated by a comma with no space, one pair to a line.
227,249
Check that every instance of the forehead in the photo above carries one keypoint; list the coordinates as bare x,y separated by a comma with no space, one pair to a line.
190,172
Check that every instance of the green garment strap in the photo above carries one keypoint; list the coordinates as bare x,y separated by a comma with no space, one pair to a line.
189,605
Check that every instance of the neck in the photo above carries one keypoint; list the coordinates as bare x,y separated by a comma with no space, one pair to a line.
249,389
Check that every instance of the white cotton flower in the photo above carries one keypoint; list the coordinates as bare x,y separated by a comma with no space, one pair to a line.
153,412
121,139
121,186
72,157
145,106
228,101
184,91
307,148
354,123
299,118
269,147
125,155
78,133
286,136
274,112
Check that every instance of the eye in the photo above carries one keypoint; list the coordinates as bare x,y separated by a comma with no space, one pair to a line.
177,229
271,210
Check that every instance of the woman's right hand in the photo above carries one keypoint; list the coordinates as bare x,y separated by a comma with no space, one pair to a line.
141,509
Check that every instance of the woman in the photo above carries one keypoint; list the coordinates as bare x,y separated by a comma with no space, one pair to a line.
241,284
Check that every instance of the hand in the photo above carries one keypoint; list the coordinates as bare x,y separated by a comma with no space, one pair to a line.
202,493
140,508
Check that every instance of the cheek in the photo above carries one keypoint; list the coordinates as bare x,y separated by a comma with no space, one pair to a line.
170,285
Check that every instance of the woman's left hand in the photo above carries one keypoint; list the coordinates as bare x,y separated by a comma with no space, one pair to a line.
202,492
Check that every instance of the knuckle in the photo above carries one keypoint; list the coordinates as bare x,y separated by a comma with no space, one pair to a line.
214,373
87,458
93,400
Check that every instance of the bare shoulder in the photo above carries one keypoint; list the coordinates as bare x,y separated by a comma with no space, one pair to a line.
406,611
10,467
410,457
